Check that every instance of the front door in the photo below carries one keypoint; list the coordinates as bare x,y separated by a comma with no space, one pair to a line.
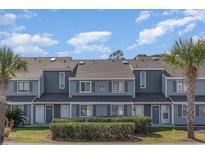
165,114
155,114
39,114
49,113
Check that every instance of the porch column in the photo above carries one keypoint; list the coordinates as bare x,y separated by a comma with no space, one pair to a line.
172,108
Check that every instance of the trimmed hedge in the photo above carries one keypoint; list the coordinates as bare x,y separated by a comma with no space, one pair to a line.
66,120
142,124
92,131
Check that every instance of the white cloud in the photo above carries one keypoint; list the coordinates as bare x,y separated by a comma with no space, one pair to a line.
90,41
28,14
170,12
7,19
148,36
28,44
144,15
63,54
198,37
188,28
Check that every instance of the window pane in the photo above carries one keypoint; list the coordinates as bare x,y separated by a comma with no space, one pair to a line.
82,86
184,110
87,86
120,110
114,110
115,86
138,110
89,110
83,110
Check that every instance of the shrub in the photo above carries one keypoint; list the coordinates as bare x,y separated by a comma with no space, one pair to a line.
142,124
65,120
16,115
92,131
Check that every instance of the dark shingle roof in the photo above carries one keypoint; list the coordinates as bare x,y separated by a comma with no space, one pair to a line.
104,69
53,98
20,98
184,98
37,64
101,99
150,97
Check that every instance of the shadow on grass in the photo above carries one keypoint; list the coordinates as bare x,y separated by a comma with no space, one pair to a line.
161,129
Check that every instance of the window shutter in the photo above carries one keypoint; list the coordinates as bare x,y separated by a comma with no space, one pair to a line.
108,110
77,110
94,110
197,110
57,111
93,86
25,110
110,86
174,86
179,110
77,86
126,86
30,86
125,109
15,86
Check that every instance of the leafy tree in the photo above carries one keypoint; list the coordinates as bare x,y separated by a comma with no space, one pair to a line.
15,114
189,56
117,55
10,64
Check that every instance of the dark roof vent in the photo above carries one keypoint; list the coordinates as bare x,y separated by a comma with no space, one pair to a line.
155,58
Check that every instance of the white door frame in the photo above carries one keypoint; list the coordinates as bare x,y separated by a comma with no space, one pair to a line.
43,118
169,116
159,112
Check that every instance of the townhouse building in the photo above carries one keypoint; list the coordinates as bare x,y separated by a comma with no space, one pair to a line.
64,88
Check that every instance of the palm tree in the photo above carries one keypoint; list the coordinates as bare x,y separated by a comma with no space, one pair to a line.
189,56
10,64
117,55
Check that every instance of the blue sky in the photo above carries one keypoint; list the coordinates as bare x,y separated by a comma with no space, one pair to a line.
86,34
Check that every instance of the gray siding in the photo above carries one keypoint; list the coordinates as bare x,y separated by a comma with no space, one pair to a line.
101,110
200,90
179,120
97,91
154,81
51,81
12,89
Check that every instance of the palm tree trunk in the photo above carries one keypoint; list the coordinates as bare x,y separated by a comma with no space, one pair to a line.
3,93
191,80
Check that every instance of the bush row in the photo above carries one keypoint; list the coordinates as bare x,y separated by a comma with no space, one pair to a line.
142,124
91,131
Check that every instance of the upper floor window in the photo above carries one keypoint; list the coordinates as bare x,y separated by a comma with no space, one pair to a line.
23,86
117,86
143,79
86,110
61,80
85,86
117,110
181,86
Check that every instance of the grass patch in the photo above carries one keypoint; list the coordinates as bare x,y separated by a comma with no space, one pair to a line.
160,135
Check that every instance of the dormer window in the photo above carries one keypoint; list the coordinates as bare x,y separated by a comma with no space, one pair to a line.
23,86
85,87
61,80
143,79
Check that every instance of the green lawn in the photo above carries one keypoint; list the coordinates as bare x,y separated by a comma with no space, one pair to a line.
159,136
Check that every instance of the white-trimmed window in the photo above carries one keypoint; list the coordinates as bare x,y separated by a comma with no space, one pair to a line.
23,86
181,86
85,87
118,110
184,110
61,80
138,110
86,110
118,87
143,79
